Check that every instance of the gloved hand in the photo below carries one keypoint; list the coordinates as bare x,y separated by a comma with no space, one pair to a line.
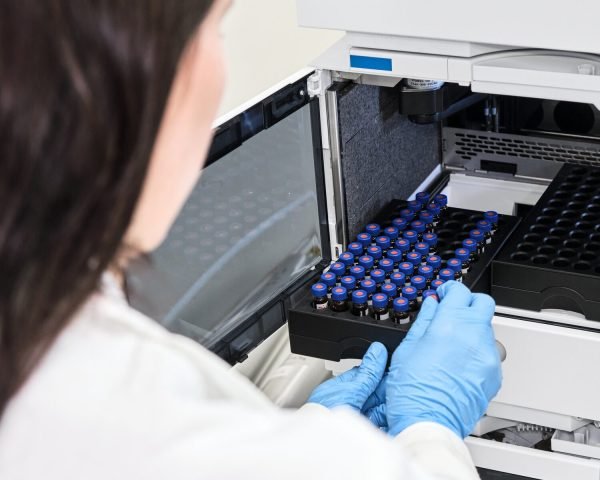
447,369
354,387
374,408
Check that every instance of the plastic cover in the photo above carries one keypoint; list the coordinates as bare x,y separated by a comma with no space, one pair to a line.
248,231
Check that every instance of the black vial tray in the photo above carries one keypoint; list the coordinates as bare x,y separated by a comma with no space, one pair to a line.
553,259
333,336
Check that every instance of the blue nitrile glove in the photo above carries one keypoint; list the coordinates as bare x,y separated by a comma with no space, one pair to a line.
447,369
374,408
354,387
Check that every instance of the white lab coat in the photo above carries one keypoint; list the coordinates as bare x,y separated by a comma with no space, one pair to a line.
118,397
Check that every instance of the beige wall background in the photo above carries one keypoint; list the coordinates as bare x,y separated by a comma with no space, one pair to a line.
264,45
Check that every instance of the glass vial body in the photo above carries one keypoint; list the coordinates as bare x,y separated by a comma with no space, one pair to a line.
410,293
380,306
401,311
339,299
320,300
360,307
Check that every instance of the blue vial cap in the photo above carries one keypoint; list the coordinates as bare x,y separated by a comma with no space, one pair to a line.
380,300
373,229
403,244
339,294
470,244
414,205
418,226
407,214
446,274
430,293
356,249
394,255
358,272
364,239
434,261
454,264
462,254
410,235
409,293
484,225
375,252
401,305
338,268
477,235
441,199
419,282
491,216
366,261
360,297
348,282
368,286
319,290
400,223
426,271
398,278
391,233
386,264
328,279
423,198
436,284
414,258
430,239
406,268
426,217
383,242
347,259
422,248
389,289
434,208
378,275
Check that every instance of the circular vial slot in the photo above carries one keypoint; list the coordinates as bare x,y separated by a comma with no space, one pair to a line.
593,208
520,257
526,247
546,250
565,223
552,241
541,229
467,227
593,247
447,254
585,189
588,256
445,234
550,211
456,244
569,214
581,197
568,186
579,171
452,225
543,220
594,237
558,231
571,243
561,263
557,203
540,259
533,238
590,217
578,235
460,216
567,253
595,199
584,225
574,178
582,266
576,205
562,194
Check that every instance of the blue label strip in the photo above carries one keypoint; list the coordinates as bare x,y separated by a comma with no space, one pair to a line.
371,63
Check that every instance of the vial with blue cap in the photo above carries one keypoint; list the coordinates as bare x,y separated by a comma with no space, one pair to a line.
435,210
360,306
422,249
415,259
391,233
399,280
320,300
395,256
370,287
356,249
367,262
401,311
349,283
411,236
358,272
422,198
374,230
415,206
364,239
410,293
339,299
380,307
329,279
347,259
420,283
387,265
407,214
339,270
407,269
435,261
419,227
471,246
441,200
430,293
486,228
427,272
431,239
391,291
464,255
492,217
427,218
446,274
376,253
403,245
378,276
479,236
384,243
456,265
437,283
401,224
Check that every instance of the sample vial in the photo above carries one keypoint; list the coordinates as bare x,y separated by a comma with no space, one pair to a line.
471,246
435,284
486,228
384,243
356,249
430,293
435,262
408,215
378,276
360,307
401,311
395,256
464,255
411,236
376,253
391,233
420,283
369,287
338,269
415,206
374,230
387,265
441,200
435,210
339,299
399,280
407,269
479,237
431,239
446,274
347,259
380,306
493,218
456,265
410,293
330,280
364,239
427,218
391,290
415,259
422,249
367,262
358,272
423,198
319,294
427,272
419,227
403,245
349,283
401,223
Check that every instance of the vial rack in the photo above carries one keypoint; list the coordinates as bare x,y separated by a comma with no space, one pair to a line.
336,335
553,259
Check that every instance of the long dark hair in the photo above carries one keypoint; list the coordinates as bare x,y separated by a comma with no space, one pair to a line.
83,86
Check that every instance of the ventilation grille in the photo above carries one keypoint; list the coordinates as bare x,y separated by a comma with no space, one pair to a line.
470,145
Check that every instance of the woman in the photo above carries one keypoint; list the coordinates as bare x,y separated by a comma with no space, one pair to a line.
106,109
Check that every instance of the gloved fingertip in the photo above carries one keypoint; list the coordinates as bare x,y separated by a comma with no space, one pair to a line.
378,351
454,294
484,303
